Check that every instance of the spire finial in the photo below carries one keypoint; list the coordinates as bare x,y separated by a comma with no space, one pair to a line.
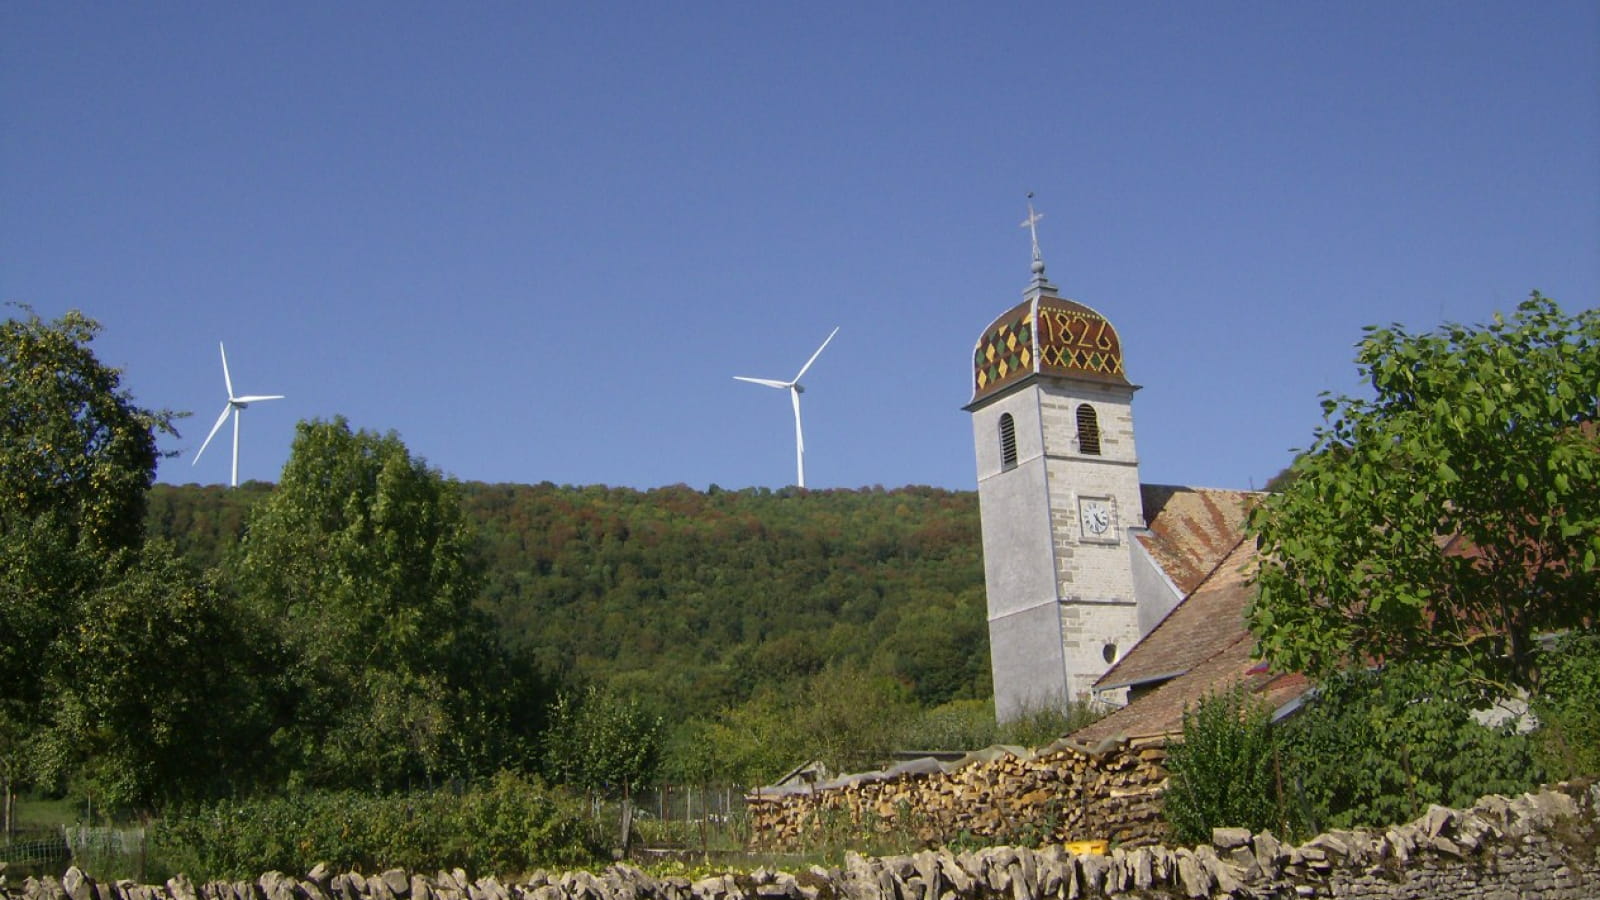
1038,285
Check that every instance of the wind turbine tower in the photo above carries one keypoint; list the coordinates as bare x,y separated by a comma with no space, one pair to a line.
234,405
795,389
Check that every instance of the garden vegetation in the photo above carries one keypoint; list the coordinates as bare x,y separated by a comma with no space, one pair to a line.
1433,560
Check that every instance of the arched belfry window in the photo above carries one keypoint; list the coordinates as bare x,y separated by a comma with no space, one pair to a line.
1088,430
1008,442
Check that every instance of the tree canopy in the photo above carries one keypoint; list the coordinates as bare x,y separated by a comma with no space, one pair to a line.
690,600
602,743
137,688
722,611
74,448
76,457
1377,746
361,563
1454,514
369,623
95,618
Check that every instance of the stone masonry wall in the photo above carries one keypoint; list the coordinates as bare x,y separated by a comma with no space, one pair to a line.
1094,575
1064,792
1534,847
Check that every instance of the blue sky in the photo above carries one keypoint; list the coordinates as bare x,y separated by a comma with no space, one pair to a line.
538,240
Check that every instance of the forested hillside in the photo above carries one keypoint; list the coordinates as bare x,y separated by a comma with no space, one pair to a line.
695,601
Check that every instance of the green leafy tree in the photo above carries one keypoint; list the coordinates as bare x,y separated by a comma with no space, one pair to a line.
202,521
74,450
851,717
749,743
76,456
1224,770
153,693
846,716
954,725
603,743
971,725
1455,514
361,564
941,651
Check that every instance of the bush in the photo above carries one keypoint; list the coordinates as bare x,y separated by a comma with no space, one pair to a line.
955,725
1568,706
970,725
1043,725
1223,771
1377,747
507,826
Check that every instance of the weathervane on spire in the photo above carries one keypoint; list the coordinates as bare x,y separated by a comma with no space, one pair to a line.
1038,285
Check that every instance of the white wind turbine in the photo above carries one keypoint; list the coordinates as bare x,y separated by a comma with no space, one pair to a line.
795,389
234,405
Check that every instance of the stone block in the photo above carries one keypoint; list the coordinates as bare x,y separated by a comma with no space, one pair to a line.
1227,838
179,887
79,886
397,882
1192,877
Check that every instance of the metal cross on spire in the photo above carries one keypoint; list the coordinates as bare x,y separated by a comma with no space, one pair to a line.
1038,285
1031,223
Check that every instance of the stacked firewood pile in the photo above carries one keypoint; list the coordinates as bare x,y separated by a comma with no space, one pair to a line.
1062,793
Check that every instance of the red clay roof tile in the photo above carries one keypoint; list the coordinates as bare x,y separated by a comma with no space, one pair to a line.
1191,529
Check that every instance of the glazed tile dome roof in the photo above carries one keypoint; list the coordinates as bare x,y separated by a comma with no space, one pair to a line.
1046,335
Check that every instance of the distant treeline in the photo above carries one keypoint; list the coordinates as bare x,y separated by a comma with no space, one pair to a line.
696,601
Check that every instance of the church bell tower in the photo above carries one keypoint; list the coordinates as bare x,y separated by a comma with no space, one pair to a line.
1058,490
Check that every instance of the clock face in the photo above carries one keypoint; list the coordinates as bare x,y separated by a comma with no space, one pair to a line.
1095,515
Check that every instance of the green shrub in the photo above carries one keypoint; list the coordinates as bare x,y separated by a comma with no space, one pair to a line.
970,725
504,827
1223,771
1568,707
955,725
1377,747
1038,726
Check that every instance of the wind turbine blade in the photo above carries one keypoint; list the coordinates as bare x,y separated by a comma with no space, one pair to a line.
766,381
226,379
816,354
257,398
214,429
799,442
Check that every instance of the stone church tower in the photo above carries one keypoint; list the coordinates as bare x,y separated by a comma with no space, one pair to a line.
1058,489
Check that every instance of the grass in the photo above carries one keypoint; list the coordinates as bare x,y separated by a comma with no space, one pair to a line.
35,813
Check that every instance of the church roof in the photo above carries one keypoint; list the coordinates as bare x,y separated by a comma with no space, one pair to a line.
1192,529
1211,617
1160,713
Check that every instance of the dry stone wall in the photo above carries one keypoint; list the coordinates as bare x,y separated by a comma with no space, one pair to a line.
1064,792
1534,847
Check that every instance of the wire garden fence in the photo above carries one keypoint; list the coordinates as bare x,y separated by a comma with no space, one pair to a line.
694,818
52,849
35,849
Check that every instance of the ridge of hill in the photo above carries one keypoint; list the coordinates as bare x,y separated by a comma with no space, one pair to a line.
695,600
